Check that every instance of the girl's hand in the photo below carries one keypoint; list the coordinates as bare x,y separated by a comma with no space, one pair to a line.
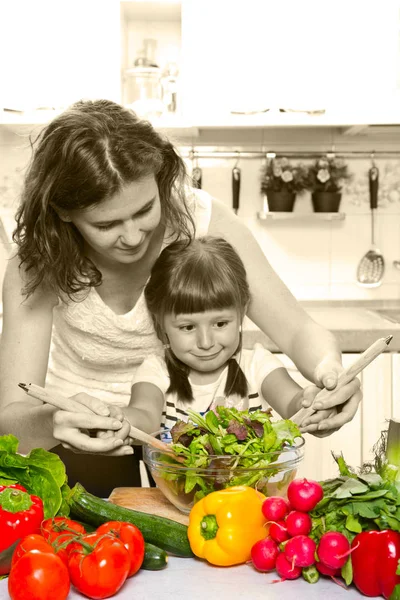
334,411
73,429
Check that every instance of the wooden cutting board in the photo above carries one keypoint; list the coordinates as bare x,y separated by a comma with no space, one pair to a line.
147,500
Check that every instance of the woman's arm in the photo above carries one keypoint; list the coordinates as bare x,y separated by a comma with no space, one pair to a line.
275,310
313,349
24,354
24,351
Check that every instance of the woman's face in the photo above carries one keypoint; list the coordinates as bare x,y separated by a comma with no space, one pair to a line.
120,228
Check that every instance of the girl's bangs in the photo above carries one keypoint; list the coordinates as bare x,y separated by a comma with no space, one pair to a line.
196,296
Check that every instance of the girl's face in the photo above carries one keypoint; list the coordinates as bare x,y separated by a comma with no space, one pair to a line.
120,228
204,341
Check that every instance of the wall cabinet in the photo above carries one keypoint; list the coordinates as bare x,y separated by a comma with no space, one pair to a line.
232,55
256,55
54,53
380,383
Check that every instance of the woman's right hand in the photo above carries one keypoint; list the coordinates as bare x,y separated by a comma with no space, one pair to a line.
72,429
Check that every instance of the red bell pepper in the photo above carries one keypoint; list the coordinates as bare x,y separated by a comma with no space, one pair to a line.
20,514
375,556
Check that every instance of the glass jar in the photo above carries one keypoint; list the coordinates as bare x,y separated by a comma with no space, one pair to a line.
143,91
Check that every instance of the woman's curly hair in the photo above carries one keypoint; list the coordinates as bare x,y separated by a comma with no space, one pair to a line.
84,156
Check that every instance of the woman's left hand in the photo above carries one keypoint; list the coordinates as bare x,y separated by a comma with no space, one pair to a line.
335,410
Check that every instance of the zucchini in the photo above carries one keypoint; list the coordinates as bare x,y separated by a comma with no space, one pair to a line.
154,558
164,533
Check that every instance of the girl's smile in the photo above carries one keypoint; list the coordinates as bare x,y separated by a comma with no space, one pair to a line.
204,341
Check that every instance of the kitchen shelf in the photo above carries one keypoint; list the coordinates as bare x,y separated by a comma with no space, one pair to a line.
349,124
293,216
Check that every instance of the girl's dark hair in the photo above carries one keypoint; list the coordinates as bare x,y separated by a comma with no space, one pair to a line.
196,276
84,156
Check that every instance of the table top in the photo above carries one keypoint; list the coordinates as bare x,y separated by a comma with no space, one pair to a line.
196,579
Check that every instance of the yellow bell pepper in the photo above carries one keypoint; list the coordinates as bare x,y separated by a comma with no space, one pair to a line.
224,525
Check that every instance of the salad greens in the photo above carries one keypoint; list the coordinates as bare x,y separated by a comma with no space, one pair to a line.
235,447
41,472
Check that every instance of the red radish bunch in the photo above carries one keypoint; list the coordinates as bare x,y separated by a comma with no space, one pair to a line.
288,548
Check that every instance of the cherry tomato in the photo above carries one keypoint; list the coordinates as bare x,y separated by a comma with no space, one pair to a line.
98,565
131,537
39,576
59,531
31,543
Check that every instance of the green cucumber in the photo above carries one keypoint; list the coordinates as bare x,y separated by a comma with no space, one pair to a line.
163,533
154,558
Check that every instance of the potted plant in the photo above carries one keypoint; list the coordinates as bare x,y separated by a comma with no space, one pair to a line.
326,177
281,181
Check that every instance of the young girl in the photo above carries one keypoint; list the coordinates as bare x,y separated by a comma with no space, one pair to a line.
197,296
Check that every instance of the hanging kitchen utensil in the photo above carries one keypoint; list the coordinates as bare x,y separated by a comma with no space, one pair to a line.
236,176
372,265
197,173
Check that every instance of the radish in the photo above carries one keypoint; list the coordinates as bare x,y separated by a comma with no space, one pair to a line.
304,494
333,549
298,523
285,569
300,550
275,508
328,571
278,531
264,554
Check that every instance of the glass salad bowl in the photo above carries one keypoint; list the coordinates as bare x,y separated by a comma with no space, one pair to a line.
270,473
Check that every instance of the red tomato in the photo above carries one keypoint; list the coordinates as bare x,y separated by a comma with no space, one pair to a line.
52,528
98,565
59,531
132,539
31,543
39,576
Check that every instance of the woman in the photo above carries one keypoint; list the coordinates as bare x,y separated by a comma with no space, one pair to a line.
104,193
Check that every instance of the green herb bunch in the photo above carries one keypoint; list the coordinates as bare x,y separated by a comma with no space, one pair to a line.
327,174
280,175
356,502
226,448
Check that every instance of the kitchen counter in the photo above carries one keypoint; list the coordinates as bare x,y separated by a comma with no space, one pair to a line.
197,580
356,324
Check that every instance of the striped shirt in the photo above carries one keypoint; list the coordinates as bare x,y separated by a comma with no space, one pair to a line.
256,363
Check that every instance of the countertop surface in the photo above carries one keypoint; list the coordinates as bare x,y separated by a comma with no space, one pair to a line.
356,324
189,578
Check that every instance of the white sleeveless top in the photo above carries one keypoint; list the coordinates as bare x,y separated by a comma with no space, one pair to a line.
96,351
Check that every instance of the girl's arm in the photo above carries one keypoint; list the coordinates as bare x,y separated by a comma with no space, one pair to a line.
24,354
145,407
286,397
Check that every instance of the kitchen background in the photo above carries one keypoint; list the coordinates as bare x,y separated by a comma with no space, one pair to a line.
221,57
205,72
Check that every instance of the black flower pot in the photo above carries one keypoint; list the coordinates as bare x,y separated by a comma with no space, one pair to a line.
282,201
326,201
